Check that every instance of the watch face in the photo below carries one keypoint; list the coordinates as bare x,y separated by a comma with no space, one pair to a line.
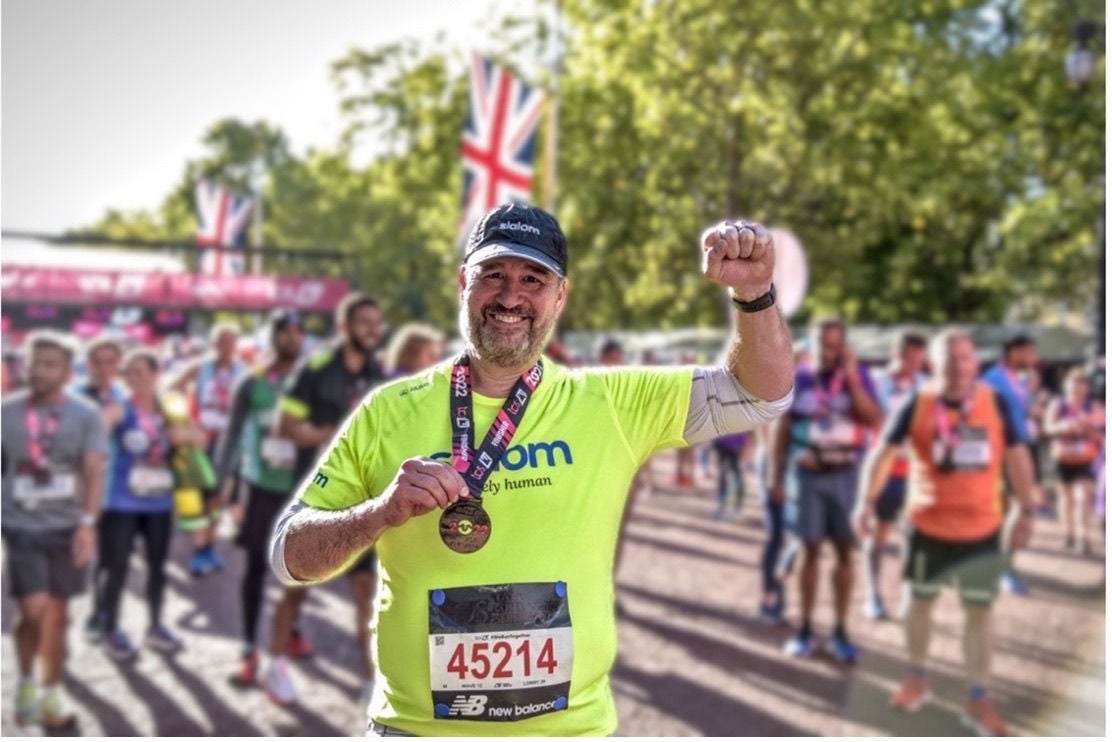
465,526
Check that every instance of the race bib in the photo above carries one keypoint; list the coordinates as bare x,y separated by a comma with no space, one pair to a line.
1073,450
213,420
833,433
32,490
971,451
278,453
500,652
267,418
148,481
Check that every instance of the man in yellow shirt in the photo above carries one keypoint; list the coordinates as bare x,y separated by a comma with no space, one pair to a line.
495,615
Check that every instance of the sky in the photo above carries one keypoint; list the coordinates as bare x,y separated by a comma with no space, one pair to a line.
102,102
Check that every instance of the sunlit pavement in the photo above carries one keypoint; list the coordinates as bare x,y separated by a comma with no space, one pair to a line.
693,659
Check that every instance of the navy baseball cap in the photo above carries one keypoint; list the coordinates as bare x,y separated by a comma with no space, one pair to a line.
521,231
280,319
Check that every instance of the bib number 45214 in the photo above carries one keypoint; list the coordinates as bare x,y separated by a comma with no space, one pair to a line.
503,659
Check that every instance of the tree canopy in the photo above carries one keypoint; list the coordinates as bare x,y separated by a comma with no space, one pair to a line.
930,155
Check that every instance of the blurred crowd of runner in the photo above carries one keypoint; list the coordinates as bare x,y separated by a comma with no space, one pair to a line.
178,437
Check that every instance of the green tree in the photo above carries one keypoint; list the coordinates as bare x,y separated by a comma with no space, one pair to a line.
928,153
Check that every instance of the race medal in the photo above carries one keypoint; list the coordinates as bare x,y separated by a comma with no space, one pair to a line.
465,526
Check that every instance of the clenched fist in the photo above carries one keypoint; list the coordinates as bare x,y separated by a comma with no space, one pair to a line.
740,256
421,486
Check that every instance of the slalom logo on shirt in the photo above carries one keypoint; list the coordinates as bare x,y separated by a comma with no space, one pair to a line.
527,455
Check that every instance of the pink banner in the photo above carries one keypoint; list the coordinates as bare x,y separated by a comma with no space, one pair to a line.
172,290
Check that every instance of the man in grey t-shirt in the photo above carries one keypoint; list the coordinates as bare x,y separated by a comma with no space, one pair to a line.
52,450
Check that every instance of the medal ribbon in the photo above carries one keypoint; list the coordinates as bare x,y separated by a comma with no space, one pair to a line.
149,424
476,465
37,436
219,392
825,392
947,433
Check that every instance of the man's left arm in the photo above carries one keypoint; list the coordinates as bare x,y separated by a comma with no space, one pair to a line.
95,450
756,384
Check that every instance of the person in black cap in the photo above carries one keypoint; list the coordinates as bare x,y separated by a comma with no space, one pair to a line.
492,487
251,447
317,398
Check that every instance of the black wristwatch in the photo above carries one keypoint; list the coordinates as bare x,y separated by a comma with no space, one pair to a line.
764,301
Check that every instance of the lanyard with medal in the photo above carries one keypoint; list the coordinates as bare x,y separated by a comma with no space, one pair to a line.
825,392
465,525
39,435
949,434
221,387
149,424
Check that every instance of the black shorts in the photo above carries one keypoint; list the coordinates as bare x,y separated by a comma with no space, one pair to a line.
975,566
43,562
891,500
1070,473
263,508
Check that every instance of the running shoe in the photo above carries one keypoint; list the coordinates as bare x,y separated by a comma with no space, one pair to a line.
911,695
55,711
874,609
27,703
981,717
842,650
119,645
299,647
94,628
278,684
161,638
800,646
1012,582
248,674
772,613
199,565
215,561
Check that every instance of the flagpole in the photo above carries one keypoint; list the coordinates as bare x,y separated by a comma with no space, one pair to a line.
552,143
258,169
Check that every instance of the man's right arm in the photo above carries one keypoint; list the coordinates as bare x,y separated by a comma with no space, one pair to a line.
311,544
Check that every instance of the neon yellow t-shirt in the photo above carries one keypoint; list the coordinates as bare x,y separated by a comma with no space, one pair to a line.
555,504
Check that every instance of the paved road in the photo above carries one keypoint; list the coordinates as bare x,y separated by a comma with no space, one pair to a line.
692,658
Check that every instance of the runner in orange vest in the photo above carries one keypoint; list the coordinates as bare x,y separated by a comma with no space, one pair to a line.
960,442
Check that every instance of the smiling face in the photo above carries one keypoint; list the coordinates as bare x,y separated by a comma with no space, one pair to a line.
104,365
48,370
508,310
141,376
365,328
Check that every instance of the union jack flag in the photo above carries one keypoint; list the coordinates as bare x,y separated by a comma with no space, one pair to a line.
498,140
222,219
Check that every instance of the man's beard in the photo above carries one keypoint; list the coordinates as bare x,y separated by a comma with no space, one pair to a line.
486,344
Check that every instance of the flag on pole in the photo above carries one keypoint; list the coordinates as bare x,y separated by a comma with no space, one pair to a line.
222,219
498,141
